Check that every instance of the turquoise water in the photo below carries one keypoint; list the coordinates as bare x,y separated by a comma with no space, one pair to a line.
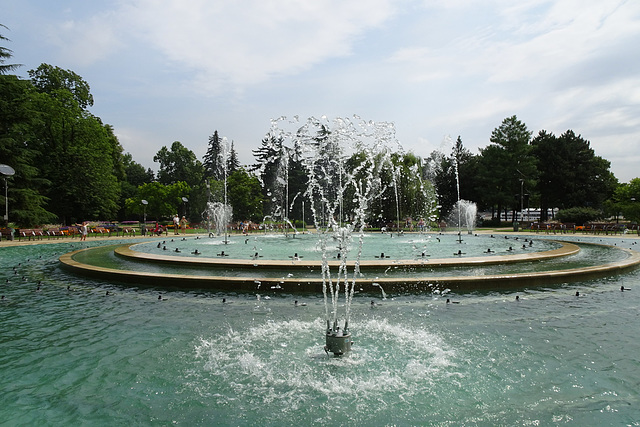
81,357
406,247
398,248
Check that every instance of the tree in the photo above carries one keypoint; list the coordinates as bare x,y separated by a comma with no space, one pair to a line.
626,200
163,200
245,196
135,176
178,164
417,197
232,162
76,152
570,174
50,79
17,115
5,54
508,165
212,162
454,176
579,215
268,163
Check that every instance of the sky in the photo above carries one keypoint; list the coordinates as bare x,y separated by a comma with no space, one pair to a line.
177,70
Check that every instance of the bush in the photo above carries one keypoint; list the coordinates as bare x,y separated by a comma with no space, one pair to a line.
494,222
580,216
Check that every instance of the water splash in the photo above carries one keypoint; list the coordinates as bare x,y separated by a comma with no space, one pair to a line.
345,159
463,215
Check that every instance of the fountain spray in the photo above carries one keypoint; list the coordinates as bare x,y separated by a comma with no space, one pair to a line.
327,146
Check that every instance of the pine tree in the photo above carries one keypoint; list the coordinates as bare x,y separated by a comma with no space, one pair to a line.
233,164
213,168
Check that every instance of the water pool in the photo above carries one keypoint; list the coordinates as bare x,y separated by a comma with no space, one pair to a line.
74,355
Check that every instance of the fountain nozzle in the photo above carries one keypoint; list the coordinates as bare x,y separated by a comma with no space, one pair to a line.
338,341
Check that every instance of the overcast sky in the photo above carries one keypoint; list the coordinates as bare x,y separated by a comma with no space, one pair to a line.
176,70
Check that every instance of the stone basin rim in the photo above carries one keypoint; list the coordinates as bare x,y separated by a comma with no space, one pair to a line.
314,284
565,249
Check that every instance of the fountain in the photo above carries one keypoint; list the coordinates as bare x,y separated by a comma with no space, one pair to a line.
220,211
326,147
237,348
221,214
463,216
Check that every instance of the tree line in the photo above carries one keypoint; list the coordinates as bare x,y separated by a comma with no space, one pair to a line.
71,167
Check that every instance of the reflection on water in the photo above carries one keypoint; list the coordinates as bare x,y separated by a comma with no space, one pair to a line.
71,354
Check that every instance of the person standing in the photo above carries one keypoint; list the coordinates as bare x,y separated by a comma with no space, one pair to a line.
183,225
83,231
176,224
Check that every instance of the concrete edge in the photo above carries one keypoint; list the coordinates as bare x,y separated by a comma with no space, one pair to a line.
403,284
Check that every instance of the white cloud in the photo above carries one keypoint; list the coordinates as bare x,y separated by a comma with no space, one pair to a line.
244,43
85,41
168,69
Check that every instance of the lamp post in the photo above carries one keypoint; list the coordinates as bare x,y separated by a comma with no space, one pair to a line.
144,217
7,171
521,197
207,211
185,201
633,200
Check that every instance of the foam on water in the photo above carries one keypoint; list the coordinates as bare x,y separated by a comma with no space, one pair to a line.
287,358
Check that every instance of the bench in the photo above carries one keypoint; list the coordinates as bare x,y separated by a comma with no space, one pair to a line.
100,231
71,230
606,228
6,234
55,232
29,233
128,231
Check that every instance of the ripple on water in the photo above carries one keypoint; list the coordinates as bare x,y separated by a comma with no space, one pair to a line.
275,364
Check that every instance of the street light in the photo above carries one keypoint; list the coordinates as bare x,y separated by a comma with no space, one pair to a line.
144,217
7,171
185,200
521,198
207,211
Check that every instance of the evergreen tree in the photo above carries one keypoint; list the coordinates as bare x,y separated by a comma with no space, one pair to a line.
268,158
233,164
571,175
508,164
6,53
213,168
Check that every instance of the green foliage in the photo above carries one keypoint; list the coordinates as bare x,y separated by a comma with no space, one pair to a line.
417,197
54,80
27,203
626,200
271,159
245,196
579,215
5,54
506,163
78,154
443,171
179,164
134,176
164,200
570,174
212,162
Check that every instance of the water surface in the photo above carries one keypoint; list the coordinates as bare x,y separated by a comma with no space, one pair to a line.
80,356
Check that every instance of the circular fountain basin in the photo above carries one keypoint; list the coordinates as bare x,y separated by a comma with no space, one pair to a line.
275,266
